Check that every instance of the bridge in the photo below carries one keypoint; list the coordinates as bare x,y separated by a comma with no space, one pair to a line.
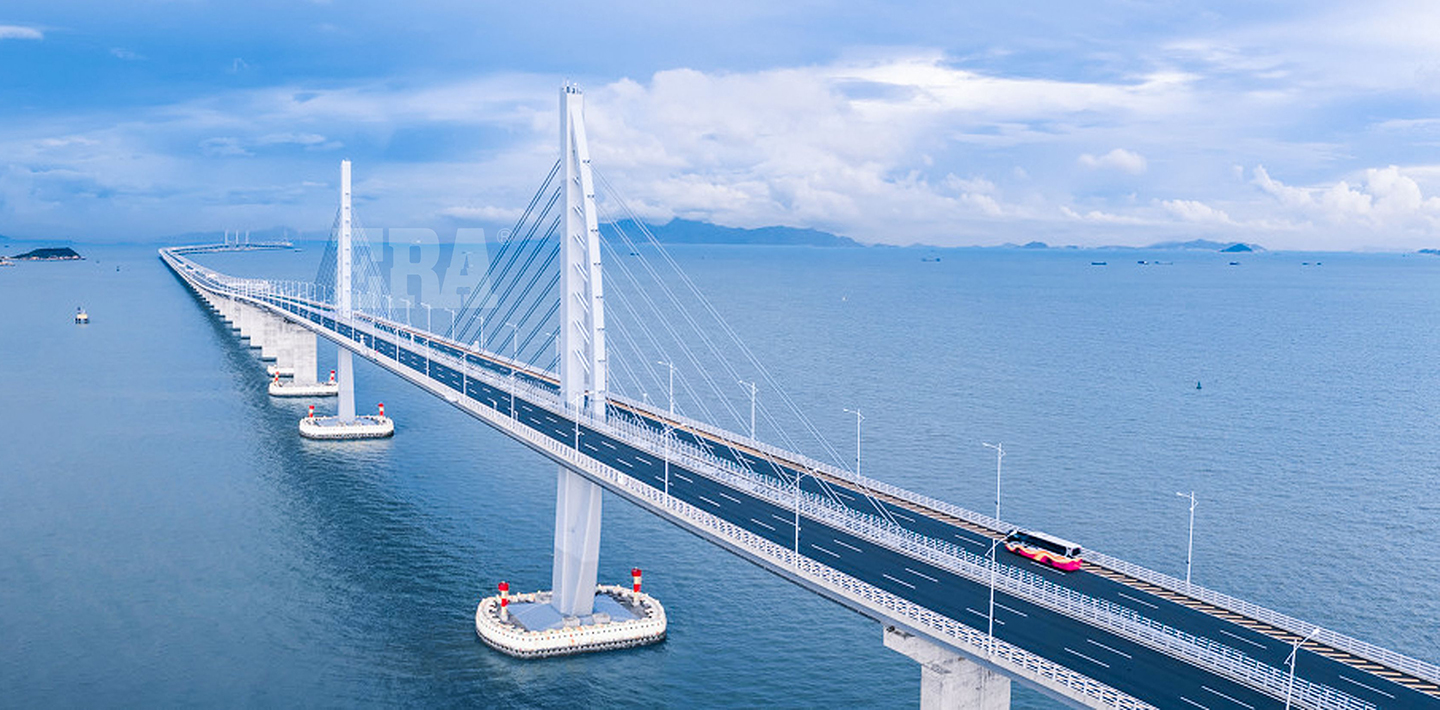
931,574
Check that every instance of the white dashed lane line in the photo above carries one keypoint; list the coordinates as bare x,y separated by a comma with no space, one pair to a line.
787,521
732,499
1012,611
1092,660
711,502
1242,638
1107,648
921,574
1192,702
1208,689
825,551
682,477
852,547
767,526
983,615
897,581
1367,687
1138,601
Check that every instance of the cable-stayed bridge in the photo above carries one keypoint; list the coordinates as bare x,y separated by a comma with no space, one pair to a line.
581,366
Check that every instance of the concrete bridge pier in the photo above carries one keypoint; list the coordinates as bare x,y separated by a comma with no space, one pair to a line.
301,344
269,332
947,679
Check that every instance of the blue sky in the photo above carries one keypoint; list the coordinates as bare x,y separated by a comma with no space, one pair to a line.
1297,125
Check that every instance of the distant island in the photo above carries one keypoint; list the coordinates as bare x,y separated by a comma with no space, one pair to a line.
1207,245
684,231
1432,252
49,254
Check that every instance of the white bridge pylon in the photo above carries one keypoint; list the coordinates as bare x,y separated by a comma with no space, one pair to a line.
582,362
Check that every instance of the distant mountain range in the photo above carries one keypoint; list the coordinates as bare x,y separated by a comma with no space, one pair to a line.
684,231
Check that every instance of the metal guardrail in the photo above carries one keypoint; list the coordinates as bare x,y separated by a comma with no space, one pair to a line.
1199,651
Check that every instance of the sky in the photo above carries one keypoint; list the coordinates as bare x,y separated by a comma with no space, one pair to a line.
1295,125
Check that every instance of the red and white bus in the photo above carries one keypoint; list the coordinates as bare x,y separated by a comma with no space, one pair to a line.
1045,549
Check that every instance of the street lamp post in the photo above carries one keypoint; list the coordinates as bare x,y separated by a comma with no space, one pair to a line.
1190,546
858,418
1294,652
428,327
514,359
669,426
999,457
408,305
453,317
752,406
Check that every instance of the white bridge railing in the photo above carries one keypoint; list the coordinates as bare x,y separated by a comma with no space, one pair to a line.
1122,621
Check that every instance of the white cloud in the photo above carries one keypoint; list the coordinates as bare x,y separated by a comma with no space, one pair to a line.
1117,159
222,146
125,54
1196,211
20,32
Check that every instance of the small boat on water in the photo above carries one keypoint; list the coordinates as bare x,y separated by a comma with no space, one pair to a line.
1098,263
81,317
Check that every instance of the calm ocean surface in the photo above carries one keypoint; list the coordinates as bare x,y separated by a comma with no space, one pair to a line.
167,539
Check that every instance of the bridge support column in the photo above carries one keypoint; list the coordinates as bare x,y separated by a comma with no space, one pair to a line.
949,680
577,544
302,344
269,332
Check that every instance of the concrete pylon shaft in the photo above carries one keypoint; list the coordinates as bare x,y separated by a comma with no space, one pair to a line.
303,346
582,363
949,681
577,544
345,368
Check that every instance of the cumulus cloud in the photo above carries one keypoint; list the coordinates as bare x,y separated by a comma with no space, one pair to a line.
487,213
1118,159
20,32
1196,211
1383,197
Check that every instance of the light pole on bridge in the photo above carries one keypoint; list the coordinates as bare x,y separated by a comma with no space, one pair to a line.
1294,653
1190,546
514,359
409,304
999,458
752,406
428,310
858,418
453,317
669,426
670,365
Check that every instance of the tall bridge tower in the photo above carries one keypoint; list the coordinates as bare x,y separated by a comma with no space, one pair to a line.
582,362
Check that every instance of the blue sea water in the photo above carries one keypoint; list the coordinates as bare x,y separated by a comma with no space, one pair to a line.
167,539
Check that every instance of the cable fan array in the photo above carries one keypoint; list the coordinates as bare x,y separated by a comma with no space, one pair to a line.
370,291
668,347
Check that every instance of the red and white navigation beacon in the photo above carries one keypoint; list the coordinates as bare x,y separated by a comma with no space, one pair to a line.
529,625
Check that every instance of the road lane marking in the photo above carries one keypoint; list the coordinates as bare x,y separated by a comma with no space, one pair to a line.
767,526
902,516
1192,702
1107,648
1208,689
608,445
787,521
643,460
897,581
1362,685
627,464
682,477
921,574
1242,638
962,538
826,551
1138,601
711,502
852,547
1014,611
1098,663
983,615
732,499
